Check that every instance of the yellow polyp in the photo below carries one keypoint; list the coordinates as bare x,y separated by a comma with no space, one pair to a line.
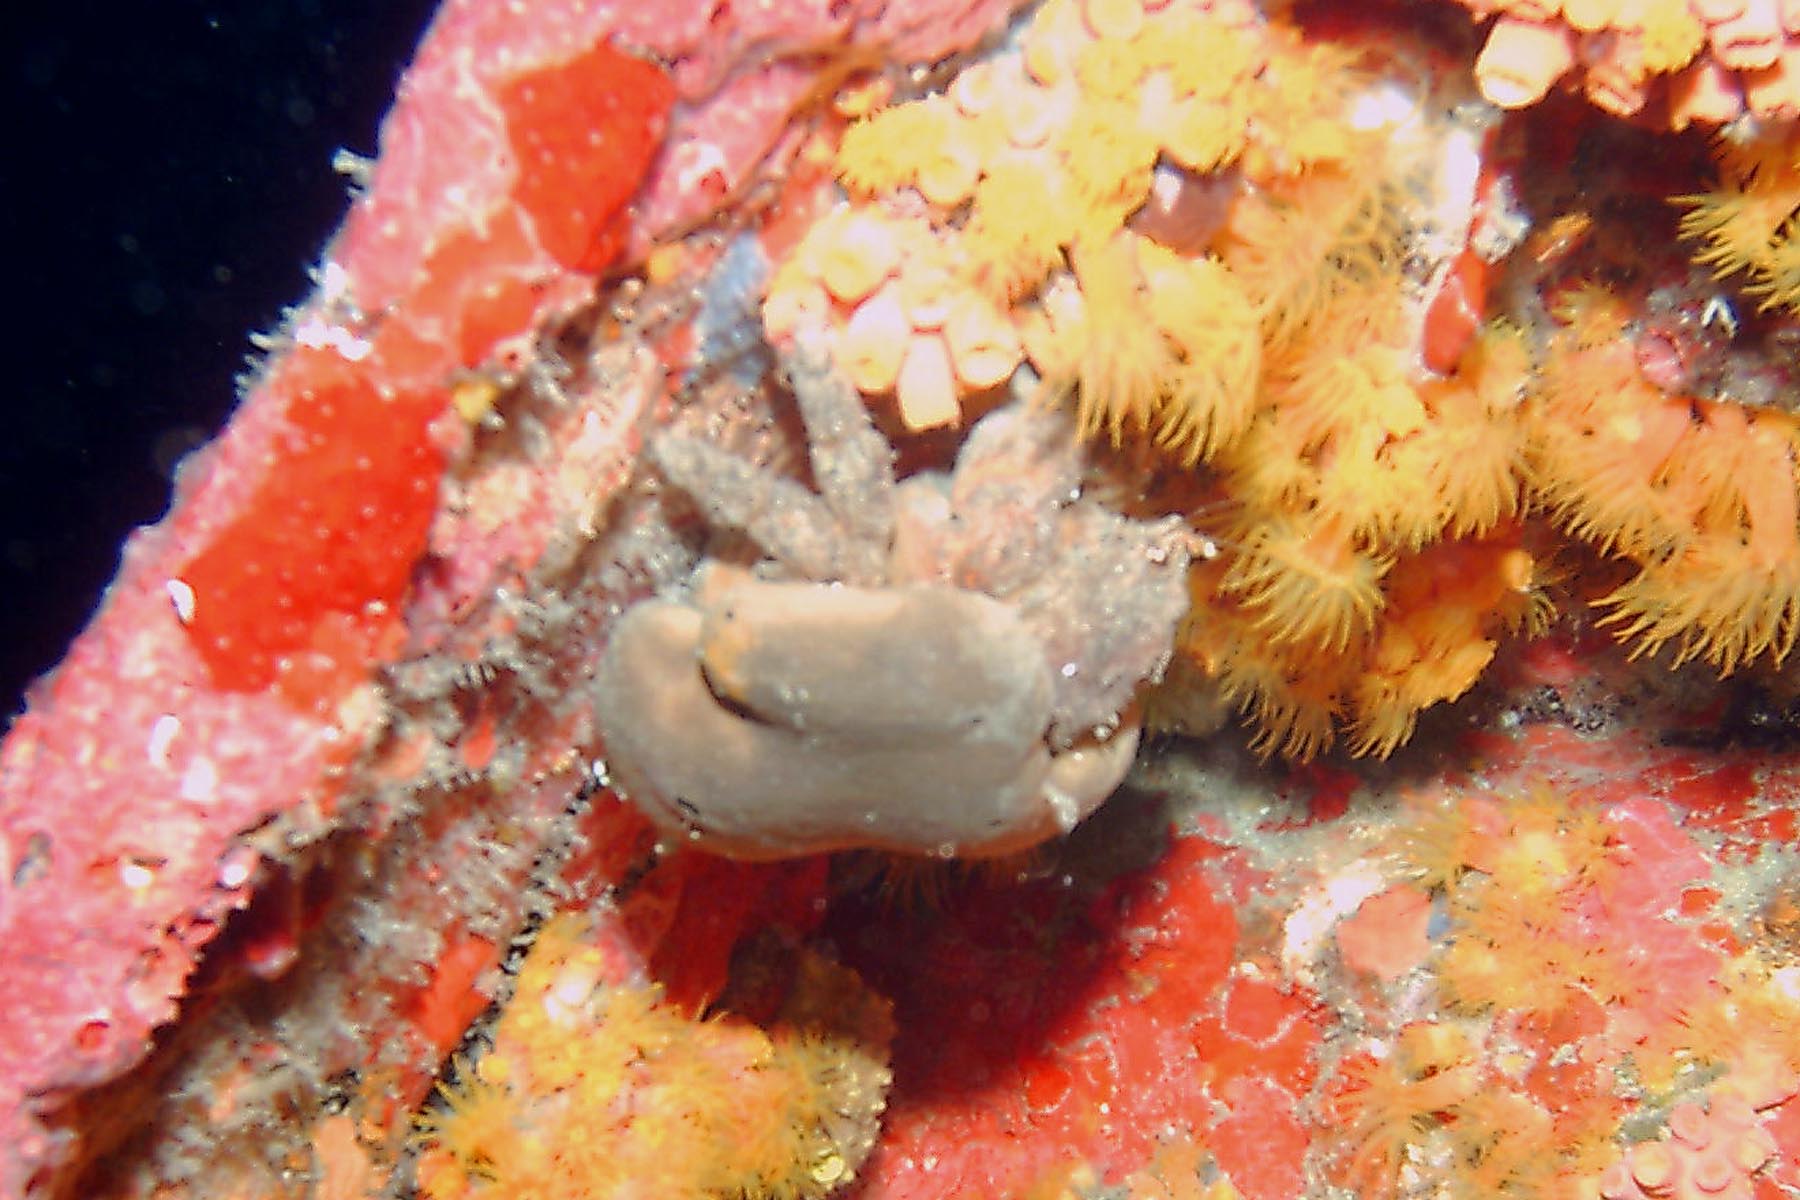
1299,246
1200,307
1615,85
1704,93
1521,60
1056,36
1594,314
948,177
1114,19
855,253
1020,220
889,149
1110,70
795,303
856,100
1748,224
1290,694
1446,606
926,386
1469,459
1028,116
1207,60
984,347
1302,110
474,398
1329,389
1590,16
1671,35
1777,283
1304,581
1123,360
1269,467
928,287
1383,497
977,89
873,342
1204,136
1109,154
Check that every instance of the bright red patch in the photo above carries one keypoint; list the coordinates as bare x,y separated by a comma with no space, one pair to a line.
334,528
584,132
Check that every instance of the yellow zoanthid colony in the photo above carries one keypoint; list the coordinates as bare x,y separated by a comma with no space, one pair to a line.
592,1088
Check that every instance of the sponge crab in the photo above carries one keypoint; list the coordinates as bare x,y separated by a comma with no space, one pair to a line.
944,665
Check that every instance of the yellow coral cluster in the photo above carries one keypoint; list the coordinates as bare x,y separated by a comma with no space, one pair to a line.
967,204
1373,558
1750,224
1701,498
1714,59
592,1090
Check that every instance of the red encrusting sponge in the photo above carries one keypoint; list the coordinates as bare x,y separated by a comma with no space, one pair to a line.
303,584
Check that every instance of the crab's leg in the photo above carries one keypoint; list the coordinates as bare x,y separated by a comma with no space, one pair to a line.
794,526
853,464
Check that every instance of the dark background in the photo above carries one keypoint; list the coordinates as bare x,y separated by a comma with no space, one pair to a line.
167,183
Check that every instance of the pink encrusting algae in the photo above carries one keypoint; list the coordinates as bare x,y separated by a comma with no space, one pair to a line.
1377,378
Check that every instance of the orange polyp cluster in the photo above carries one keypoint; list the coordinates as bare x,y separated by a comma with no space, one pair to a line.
1701,497
1568,1006
1750,225
1374,559
1384,1105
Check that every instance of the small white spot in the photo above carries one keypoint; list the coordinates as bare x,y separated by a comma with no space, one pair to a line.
136,875
354,167
1717,311
1388,104
1785,981
316,333
235,872
181,595
1064,809
695,162
162,733
1070,670
334,282
200,782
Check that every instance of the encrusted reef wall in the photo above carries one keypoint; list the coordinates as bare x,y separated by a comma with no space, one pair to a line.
1156,598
